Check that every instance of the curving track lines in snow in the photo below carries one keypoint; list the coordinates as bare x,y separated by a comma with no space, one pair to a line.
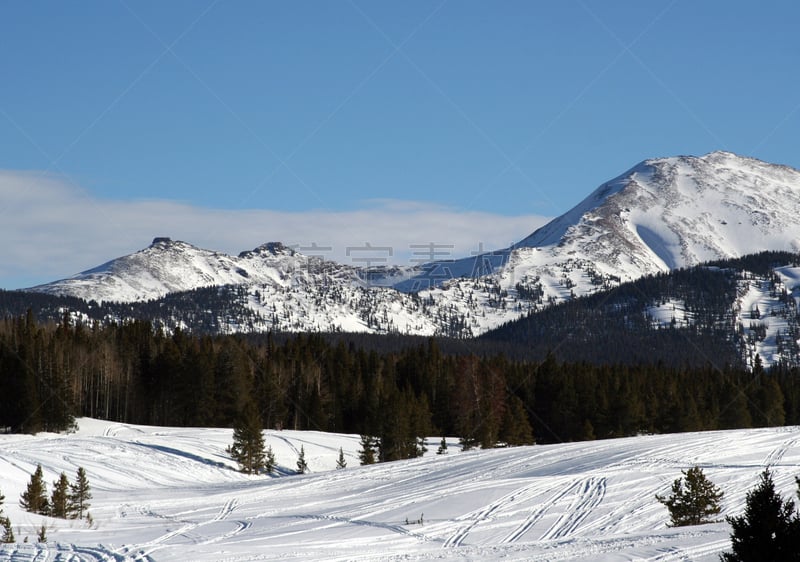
674,454
114,429
590,494
226,510
223,514
618,517
26,552
778,453
687,554
101,554
526,526
399,529
536,516
144,550
68,553
476,517
287,441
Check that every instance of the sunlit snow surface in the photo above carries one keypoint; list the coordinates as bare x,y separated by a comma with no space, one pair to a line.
171,494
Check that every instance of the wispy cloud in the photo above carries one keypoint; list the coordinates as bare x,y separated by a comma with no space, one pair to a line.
53,229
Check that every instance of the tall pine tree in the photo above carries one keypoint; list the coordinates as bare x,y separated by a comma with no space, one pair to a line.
59,499
34,498
79,495
367,453
769,529
5,523
8,532
248,441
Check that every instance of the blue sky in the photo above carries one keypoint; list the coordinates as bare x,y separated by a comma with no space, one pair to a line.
230,123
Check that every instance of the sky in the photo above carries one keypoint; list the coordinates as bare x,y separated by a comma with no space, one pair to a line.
338,123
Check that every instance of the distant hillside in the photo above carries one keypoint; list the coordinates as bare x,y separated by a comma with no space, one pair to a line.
695,316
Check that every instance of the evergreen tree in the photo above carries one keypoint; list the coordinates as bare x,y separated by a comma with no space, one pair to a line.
340,462
5,523
442,450
302,466
587,433
8,532
406,422
694,499
59,500
42,536
467,442
769,529
516,429
79,495
248,441
367,453
768,402
269,462
735,413
34,498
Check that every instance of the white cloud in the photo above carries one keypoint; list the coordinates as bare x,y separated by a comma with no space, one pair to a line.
53,229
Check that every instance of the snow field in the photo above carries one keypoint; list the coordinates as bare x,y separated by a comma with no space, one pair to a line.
172,494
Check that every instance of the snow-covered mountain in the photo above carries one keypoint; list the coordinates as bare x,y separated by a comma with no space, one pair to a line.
169,266
661,214
676,212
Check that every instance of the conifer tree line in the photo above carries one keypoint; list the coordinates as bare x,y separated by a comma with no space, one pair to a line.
133,373
68,501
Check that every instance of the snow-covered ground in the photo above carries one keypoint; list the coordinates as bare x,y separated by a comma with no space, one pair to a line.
172,494
672,312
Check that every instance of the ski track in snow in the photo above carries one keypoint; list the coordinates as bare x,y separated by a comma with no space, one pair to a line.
687,554
535,517
589,495
776,456
65,553
291,445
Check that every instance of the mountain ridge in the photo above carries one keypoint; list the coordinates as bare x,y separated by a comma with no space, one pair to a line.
727,312
661,214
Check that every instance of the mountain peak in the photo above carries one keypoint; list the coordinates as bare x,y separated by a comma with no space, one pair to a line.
270,248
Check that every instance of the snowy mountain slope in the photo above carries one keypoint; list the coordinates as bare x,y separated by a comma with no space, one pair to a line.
168,266
677,212
164,494
661,214
768,318
665,213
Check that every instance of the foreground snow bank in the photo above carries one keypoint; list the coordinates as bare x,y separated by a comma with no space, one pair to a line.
173,494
